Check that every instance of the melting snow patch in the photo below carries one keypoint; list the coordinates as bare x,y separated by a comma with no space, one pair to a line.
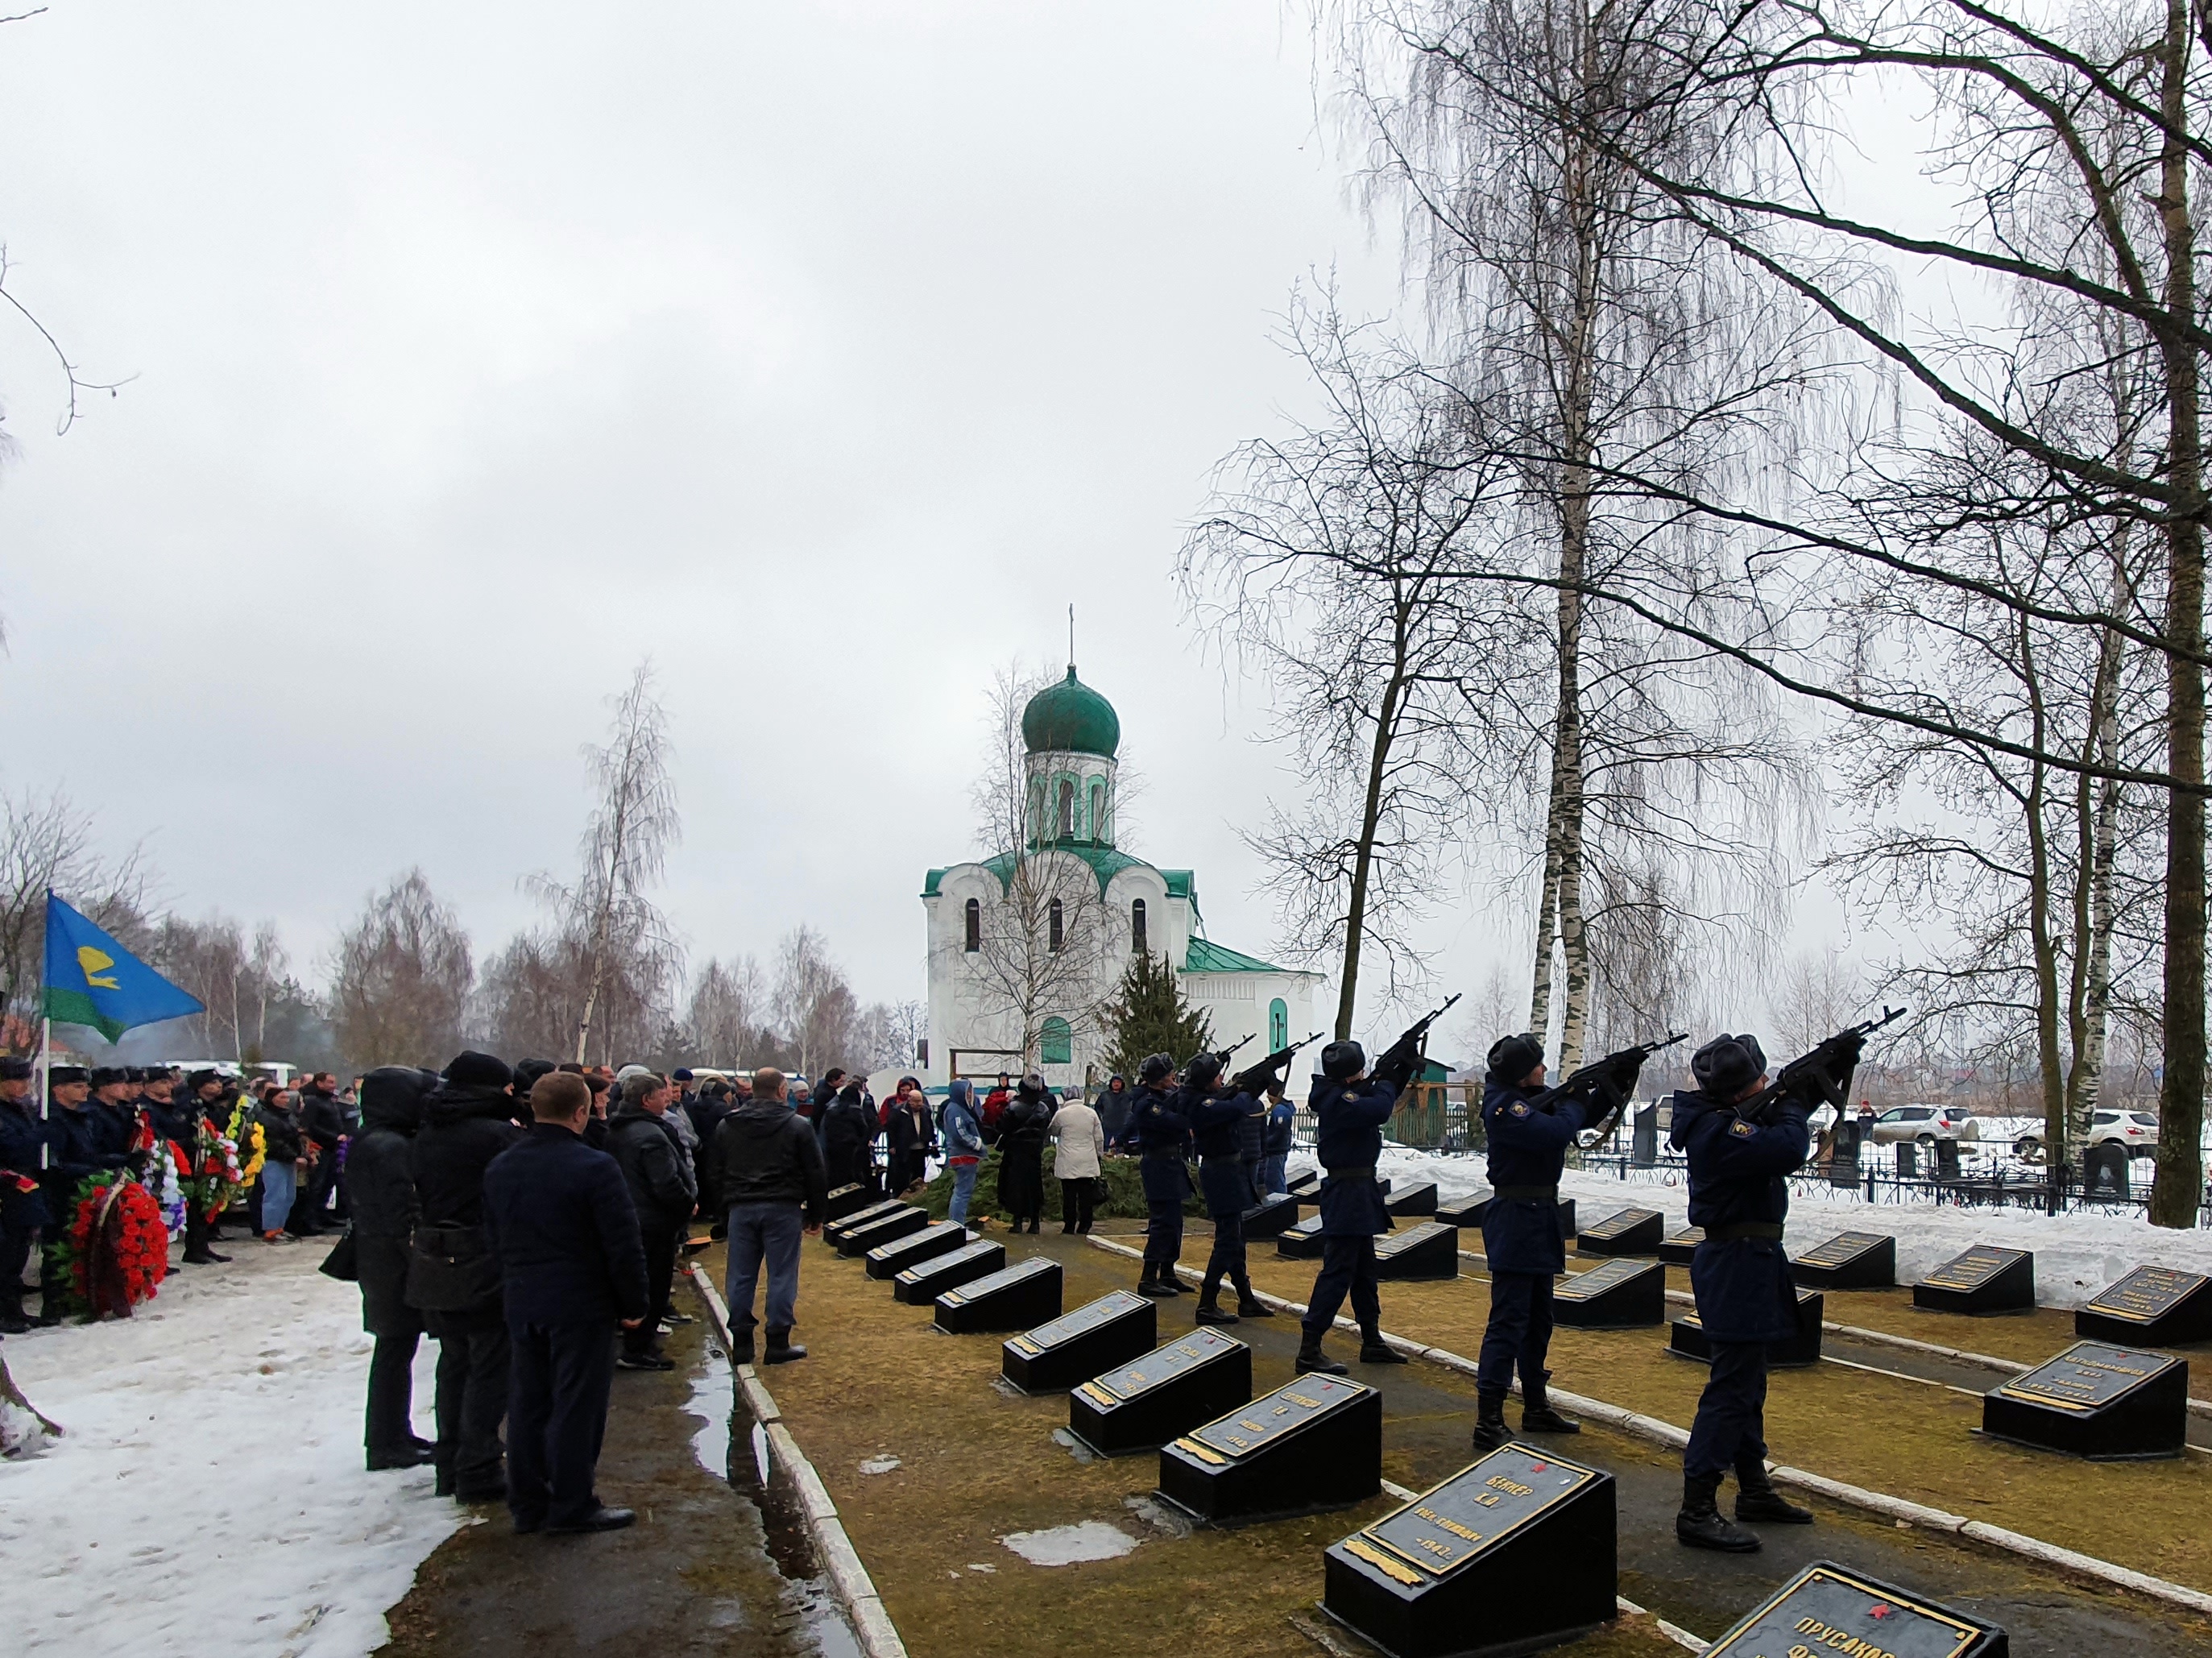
1067,1546
879,1464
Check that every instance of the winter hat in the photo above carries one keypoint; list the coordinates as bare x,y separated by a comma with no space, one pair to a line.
1512,1057
1727,1065
630,1071
527,1073
1342,1062
1204,1071
1156,1067
681,1074
392,1097
13,1070
474,1070
64,1074
107,1076
200,1079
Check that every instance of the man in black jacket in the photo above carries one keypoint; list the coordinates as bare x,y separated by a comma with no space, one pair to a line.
452,1276
559,1218
383,1193
768,1169
662,1186
322,1123
708,1106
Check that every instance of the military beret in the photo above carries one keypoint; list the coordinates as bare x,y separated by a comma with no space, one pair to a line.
1727,1065
1343,1060
682,1074
1512,1057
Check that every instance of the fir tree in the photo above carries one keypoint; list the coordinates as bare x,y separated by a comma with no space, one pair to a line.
1148,1014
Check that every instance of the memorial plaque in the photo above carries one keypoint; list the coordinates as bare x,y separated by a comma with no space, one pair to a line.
1316,1443
921,1286
1827,1608
2157,1306
1465,1211
1012,1299
889,1260
1142,1404
1418,1199
834,1231
1686,1338
1264,1218
1680,1249
1848,1260
1984,1280
1621,1295
867,1235
1624,1232
2106,1403
1306,1187
1301,1241
1095,1337
1430,1251
845,1200
1514,1553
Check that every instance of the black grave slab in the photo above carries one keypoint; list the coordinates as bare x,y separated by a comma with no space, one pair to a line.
1621,1295
2107,1403
845,1200
921,1284
2157,1306
1624,1232
911,1249
1097,1336
1306,1187
1430,1251
1142,1404
1686,1337
1827,1608
1419,1199
1466,1211
1982,1281
1013,1298
1301,1241
862,1235
1513,1554
1848,1260
1264,1218
1314,1443
1566,1219
1680,1249
833,1232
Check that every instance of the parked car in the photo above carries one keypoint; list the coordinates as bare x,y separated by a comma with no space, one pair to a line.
1924,1124
2135,1129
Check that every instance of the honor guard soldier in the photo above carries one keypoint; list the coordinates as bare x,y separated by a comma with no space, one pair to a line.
1528,1143
1217,1114
1162,1138
1351,1107
23,1203
114,1112
1746,1295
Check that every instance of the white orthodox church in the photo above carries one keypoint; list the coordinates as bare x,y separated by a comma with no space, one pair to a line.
1070,734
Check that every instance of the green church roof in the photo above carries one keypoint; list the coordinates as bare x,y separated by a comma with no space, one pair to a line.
1104,861
1071,717
1204,955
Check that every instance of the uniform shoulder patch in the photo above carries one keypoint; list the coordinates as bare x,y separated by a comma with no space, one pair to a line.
1352,1096
1741,1128
1520,1108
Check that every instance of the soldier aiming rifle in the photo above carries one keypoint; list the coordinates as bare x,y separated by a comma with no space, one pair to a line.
1605,1086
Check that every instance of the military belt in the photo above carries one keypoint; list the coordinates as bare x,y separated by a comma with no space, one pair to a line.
1749,1229
1350,1174
1527,1193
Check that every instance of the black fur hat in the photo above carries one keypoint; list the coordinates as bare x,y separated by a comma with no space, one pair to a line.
1156,1067
1727,1065
1343,1060
1512,1057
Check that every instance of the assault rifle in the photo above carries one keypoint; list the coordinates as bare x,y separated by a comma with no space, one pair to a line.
1403,1057
1605,1084
1220,1054
1254,1079
1821,1077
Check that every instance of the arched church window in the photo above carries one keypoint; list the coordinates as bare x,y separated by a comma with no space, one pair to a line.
974,939
1066,810
1058,1045
1097,810
1058,923
1137,929
1279,1024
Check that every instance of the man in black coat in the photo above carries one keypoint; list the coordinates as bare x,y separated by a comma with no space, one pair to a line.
768,1169
323,1123
453,1279
23,1203
662,1186
383,1193
559,1218
708,1106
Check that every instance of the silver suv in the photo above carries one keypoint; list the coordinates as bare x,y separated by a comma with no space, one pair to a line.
1925,1124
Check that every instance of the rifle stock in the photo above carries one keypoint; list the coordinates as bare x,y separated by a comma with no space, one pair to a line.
1822,1076
1253,1078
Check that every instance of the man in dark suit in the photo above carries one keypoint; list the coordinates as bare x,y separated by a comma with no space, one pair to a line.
558,1216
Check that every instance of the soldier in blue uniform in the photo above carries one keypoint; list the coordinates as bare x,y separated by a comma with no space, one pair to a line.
113,1109
23,1202
1162,1138
1218,1114
1521,1237
1745,1297
1351,1107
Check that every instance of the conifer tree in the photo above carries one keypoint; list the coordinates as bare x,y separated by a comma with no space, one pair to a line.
1148,1014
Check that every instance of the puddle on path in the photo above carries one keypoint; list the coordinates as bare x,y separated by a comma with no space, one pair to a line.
1069,1545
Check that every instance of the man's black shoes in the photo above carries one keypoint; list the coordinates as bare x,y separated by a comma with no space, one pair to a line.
643,1362
602,1519
782,1349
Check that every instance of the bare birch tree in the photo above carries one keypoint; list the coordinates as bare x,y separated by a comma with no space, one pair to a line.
400,979
46,844
728,1007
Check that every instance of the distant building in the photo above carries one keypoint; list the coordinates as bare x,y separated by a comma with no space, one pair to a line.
1115,904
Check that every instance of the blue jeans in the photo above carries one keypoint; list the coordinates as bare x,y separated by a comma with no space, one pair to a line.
278,1188
764,1232
1273,1180
963,1188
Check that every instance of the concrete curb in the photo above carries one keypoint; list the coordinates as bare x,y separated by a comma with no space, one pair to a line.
848,1576
1835,1491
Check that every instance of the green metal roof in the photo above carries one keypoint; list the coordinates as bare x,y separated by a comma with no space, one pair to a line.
1204,955
1105,863
1071,717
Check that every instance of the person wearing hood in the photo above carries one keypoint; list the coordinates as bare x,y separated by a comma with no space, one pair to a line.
1078,1151
912,1134
1217,1113
1521,1240
662,1186
382,1191
1113,1109
1350,1107
849,1130
452,1277
963,1145
1021,1152
1162,1138
1740,1194
769,1168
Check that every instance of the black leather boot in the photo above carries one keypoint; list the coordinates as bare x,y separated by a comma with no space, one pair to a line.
1700,1525
1537,1415
1491,1432
1757,1501
1311,1358
1170,1286
1150,1283
782,1349
1373,1350
1209,1310
1248,1304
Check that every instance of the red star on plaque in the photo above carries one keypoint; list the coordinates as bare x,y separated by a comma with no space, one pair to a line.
1537,1467
1878,1610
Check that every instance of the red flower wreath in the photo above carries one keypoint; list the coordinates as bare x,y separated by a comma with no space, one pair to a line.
119,1249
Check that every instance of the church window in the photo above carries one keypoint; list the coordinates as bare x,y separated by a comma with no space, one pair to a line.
1279,1024
1036,809
1066,810
974,939
1137,927
1058,1046
1058,923
1097,810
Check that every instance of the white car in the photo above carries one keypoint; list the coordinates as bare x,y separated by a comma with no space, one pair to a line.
2135,1129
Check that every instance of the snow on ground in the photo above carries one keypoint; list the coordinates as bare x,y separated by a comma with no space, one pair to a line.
2076,1255
210,1494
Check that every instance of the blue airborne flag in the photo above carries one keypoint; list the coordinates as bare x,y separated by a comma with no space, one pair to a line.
93,981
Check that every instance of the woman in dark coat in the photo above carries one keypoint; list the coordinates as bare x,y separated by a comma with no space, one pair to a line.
849,1130
1021,1152
913,1136
382,1191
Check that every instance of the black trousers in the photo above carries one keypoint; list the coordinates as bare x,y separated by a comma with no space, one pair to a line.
1162,1232
1347,1266
1227,1258
389,1431
1078,1197
556,1420
1730,1429
660,1243
1520,1330
471,1398
309,1208
15,1255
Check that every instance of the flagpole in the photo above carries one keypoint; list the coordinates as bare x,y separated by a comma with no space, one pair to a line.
45,1093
